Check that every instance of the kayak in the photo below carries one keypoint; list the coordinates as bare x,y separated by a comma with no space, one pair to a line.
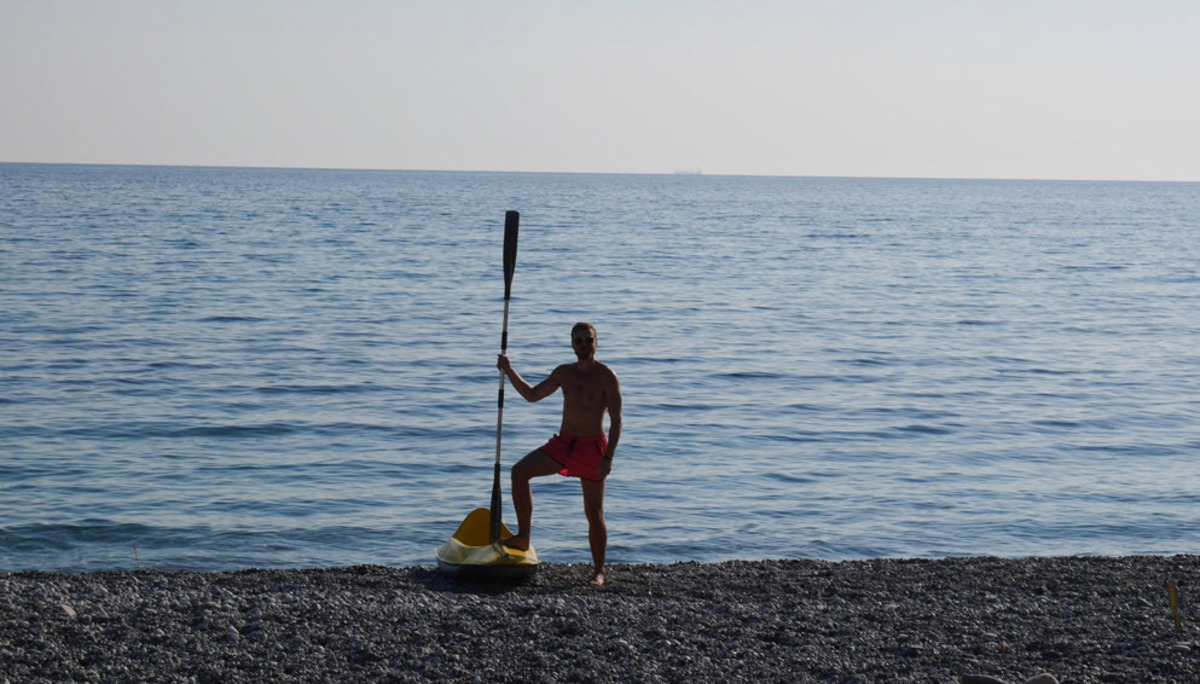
469,552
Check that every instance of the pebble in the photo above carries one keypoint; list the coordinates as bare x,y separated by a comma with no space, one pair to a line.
981,679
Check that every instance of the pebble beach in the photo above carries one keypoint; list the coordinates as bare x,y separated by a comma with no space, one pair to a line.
1077,619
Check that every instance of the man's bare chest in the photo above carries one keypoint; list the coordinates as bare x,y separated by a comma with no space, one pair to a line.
583,391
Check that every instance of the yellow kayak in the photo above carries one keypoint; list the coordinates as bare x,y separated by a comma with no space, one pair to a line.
470,551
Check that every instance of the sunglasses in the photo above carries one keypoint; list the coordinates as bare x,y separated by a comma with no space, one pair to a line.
584,340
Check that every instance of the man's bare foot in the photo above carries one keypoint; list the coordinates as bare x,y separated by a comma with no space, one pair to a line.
517,541
597,580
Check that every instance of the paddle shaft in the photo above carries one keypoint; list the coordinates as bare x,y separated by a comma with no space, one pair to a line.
511,221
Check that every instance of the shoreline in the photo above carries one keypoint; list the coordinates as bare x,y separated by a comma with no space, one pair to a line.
1084,619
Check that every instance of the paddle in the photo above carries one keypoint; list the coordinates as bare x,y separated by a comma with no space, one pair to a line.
511,220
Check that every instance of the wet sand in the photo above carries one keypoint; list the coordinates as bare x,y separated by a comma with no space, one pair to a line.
1078,619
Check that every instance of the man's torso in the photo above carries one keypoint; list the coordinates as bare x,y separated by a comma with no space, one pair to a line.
585,398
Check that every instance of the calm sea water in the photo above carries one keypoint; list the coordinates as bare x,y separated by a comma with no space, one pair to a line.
226,368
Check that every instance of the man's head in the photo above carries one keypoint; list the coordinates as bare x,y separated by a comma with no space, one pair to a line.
583,340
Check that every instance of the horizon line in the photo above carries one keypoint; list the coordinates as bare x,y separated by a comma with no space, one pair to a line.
686,174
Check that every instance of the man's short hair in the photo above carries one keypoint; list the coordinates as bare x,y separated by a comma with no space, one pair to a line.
584,324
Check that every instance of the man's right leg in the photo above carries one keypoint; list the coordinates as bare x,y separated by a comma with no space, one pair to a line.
536,463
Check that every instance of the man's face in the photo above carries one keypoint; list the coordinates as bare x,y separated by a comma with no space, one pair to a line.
583,341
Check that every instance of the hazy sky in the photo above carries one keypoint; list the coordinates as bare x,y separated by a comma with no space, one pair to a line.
1084,89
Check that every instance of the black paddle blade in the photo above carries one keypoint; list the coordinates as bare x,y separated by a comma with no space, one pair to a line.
494,530
511,220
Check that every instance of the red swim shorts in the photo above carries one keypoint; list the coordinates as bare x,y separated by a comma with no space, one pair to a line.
579,456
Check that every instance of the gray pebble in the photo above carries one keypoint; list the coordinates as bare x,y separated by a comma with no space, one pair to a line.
981,679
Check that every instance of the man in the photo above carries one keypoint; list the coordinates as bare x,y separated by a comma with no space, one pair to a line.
580,449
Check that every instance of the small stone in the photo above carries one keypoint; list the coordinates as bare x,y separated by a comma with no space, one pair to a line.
1182,647
1043,678
981,679
67,610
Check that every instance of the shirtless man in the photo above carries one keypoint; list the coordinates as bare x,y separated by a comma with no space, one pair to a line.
580,448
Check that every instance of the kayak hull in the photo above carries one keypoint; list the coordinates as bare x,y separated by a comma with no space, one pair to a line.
470,551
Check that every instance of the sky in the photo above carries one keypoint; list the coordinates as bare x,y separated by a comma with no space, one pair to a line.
1043,89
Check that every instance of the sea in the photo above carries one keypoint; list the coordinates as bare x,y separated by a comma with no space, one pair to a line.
226,368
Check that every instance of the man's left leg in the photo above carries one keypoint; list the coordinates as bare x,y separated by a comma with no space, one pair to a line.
593,507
